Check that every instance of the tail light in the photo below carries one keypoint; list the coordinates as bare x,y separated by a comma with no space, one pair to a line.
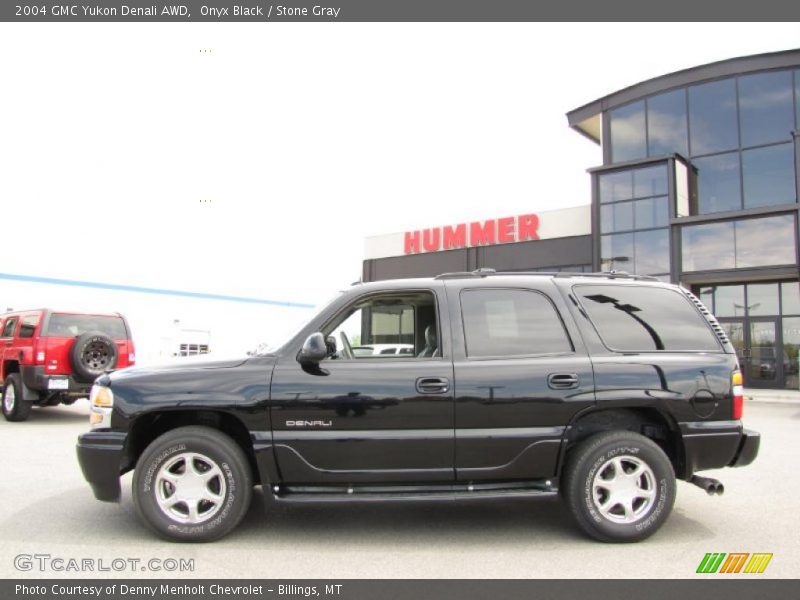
738,395
40,356
131,353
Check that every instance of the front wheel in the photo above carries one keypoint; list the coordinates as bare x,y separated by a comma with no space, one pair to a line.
619,486
192,484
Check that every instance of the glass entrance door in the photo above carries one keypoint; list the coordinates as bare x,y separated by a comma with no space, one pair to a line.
764,364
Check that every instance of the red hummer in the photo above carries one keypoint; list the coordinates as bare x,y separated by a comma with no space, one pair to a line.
49,357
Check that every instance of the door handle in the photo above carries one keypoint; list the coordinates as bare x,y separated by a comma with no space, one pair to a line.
562,381
433,385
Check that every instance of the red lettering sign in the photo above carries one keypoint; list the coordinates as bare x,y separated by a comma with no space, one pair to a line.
455,237
412,242
528,228
481,233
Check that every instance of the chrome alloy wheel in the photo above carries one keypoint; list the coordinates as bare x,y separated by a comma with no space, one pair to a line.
624,489
9,399
190,488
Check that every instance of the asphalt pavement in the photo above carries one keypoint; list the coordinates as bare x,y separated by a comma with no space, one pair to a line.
50,510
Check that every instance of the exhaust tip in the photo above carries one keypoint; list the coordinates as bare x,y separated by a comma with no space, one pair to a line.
720,489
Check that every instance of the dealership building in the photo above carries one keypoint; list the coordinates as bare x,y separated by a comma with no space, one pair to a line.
698,186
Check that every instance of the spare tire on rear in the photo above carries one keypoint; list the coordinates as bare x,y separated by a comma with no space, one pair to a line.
92,354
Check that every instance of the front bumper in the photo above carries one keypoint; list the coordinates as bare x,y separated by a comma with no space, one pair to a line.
717,444
100,455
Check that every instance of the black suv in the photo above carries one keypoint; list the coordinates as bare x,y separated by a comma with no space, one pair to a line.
603,388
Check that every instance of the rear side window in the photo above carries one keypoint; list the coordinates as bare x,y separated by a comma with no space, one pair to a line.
643,319
511,323
28,326
8,328
74,325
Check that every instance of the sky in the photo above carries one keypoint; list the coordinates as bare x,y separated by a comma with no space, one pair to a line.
253,159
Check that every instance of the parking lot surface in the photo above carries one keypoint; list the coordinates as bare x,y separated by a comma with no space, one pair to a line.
50,510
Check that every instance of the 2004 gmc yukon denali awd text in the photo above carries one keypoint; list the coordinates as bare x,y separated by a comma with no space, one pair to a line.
603,388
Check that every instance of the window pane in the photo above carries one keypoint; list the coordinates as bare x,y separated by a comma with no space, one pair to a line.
712,117
643,318
718,186
627,132
652,213
650,181
762,299
768,175
616,217
729,301
765,108
790,298
651,252
616,252
616,186
791,348
64,325
708,247
765,242
666,124
511,323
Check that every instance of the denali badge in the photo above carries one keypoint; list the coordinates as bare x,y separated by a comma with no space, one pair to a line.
309,423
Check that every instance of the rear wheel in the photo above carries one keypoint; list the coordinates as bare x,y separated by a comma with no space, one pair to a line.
192,484
619,486
15,408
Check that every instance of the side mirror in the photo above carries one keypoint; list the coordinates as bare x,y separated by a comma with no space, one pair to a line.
314,349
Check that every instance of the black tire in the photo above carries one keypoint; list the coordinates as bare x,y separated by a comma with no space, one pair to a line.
14,407
595,507
233,484
92,354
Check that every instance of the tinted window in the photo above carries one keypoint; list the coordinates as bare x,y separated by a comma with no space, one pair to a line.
641,318
790,298
616,186
652,213
651,250
627,132
768,175
707,247
511,323
650,181
729,301
666,124
74,325
28,326
8,329
616,217
616,252
718,187
765,242
762,299
739,244
766,108
713,125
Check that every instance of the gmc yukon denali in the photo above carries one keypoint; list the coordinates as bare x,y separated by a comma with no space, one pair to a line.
602,388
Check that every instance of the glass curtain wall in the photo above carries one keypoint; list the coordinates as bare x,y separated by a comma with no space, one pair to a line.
737,133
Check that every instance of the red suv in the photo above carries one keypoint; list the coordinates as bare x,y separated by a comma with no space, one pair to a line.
49,357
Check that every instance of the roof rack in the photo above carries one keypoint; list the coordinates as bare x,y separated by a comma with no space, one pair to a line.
486,272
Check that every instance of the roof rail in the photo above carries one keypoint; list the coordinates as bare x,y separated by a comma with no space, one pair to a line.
486,272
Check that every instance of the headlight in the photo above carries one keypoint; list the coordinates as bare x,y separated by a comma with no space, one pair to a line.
101,399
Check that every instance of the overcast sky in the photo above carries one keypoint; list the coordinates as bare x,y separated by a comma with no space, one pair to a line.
302,139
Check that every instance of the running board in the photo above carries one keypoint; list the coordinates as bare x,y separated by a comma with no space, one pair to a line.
305,494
